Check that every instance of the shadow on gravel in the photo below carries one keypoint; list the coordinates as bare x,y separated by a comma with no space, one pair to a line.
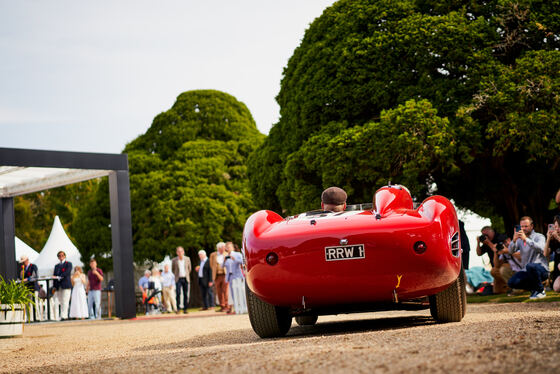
232,337
359,326
247,336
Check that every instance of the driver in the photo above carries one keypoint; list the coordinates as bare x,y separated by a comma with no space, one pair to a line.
333,199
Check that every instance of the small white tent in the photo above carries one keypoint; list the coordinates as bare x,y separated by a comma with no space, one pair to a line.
24,249
58,241
166,260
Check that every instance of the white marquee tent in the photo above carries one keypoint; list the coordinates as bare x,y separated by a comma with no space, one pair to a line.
58,241
24,249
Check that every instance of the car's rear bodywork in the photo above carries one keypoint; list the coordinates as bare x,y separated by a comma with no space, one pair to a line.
324,262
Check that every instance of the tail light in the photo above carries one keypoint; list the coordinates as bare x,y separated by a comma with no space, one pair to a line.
272,258
420,247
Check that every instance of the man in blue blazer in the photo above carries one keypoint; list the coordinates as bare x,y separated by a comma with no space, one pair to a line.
205,279
62,286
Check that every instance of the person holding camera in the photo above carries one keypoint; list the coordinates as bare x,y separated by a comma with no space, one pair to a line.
505,264
553,246
533,261
491,243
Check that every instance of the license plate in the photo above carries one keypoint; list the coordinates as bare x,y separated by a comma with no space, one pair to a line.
345,252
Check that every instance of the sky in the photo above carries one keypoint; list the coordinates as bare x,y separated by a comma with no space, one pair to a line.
91,76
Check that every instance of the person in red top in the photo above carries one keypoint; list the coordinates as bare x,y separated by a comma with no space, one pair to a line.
95,277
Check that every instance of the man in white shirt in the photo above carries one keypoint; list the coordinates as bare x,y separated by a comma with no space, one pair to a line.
168,283
181,268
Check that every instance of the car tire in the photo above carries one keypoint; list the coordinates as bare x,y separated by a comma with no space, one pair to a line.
463,291
306,320
450,304
267,320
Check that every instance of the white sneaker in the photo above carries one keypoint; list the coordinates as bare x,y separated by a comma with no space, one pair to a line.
537,295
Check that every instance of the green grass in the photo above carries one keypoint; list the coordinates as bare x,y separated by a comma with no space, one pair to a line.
504,298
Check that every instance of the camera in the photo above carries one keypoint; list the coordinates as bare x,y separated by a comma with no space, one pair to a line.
499,246
482,237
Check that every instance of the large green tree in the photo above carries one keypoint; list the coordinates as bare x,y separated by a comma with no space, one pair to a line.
361,157
456,95
34,213
188,175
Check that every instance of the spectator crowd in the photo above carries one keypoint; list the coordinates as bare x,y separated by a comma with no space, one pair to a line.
219,277
73,295
527,260
76,295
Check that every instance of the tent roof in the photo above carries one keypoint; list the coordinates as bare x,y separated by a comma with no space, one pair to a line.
24,249
18,180
58,241
25,171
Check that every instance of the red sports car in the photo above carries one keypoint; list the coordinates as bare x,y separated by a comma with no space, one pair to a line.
392,257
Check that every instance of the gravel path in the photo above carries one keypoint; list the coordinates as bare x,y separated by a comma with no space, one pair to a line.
493,338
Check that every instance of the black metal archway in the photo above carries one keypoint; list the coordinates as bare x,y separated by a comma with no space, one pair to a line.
91,165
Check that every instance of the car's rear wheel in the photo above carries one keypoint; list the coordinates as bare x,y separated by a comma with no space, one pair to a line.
267,320
463,290
306,320
450,304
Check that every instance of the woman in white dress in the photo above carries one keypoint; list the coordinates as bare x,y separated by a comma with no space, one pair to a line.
157,280
78,306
